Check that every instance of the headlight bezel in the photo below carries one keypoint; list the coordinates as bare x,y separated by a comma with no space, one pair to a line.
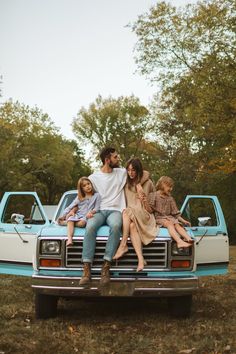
50,247
175,251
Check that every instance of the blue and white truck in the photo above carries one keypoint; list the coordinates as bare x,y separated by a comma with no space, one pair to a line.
32,245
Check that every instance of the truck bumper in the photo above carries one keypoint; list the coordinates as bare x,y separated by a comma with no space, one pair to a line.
122,287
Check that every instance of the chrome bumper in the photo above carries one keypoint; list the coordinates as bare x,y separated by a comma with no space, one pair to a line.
137,287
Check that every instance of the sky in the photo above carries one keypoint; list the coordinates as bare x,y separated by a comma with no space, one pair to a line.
59,55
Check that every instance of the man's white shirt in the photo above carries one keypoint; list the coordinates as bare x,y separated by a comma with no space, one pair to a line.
111,188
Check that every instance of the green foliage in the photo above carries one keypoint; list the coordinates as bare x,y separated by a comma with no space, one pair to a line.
172,42
191,54
123,123
34,156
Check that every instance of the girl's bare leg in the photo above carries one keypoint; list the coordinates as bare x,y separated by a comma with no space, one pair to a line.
175,236
80,223
137,244
70,232
181,231
123,248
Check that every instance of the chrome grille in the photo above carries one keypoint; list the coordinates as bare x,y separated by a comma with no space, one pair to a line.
155,254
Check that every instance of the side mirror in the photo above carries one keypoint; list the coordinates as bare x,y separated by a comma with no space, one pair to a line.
17,218
203,220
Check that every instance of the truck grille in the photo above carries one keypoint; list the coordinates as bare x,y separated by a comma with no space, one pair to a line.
155,254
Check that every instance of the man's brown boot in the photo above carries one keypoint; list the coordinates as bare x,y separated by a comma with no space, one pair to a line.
86,277
105,273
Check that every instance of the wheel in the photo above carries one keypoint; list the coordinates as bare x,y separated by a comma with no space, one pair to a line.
180,306
45,306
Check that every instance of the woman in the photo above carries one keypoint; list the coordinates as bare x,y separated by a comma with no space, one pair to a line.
138,222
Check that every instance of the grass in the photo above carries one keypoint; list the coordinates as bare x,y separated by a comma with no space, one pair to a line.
120,326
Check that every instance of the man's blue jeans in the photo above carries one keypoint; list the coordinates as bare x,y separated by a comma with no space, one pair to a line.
113,219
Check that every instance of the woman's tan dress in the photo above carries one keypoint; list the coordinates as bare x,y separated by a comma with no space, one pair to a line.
144,221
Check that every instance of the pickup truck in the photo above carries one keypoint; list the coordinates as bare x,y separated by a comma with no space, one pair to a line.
31,245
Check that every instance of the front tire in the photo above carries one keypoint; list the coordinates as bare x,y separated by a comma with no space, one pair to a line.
45,306
180,306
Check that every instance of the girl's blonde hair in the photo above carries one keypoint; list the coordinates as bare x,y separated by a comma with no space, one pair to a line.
164,180
81,194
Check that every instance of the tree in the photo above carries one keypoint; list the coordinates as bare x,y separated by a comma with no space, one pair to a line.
172,42
191,53
123,123
34,156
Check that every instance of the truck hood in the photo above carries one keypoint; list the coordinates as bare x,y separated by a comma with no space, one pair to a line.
55,230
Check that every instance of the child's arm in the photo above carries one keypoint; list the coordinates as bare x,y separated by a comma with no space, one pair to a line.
185,222
90,214
95,206
60,220
175,212
72,212
146,205
67,210
152,201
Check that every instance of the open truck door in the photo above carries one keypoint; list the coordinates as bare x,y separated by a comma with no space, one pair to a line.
21,218
209,230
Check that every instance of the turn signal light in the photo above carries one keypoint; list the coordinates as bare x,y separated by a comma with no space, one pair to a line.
50,262
180,264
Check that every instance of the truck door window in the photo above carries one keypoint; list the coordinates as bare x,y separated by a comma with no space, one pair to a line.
200,212
25,206
65,203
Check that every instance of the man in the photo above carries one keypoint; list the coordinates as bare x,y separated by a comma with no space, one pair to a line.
109,182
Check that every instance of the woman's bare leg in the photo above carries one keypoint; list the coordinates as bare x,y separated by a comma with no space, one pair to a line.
137,244
123,248
175,236
182,232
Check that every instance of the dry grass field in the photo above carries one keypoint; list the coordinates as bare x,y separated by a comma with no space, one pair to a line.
119,326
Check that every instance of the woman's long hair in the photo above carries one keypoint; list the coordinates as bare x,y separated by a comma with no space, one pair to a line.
137,166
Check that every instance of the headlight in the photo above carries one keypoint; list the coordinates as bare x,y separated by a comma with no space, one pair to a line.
50,247
175,251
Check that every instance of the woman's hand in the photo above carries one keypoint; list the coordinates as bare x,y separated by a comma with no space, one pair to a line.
141,194
143,198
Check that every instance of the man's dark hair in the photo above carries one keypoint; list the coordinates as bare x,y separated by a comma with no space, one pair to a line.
106,153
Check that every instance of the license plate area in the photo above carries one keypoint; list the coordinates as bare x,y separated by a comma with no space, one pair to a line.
118,289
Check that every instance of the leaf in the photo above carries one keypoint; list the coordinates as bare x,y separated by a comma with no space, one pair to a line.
187,351
71,329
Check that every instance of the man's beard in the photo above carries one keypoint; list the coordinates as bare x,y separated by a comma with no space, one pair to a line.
114,165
